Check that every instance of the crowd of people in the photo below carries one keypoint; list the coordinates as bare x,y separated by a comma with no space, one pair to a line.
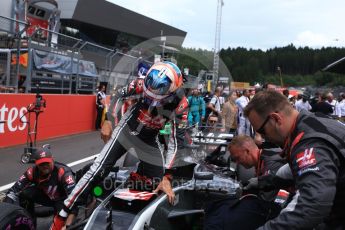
286,176
229,107
299,184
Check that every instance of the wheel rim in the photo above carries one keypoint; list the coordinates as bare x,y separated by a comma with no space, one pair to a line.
25,158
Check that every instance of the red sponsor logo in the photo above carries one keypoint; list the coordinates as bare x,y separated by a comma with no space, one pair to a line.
283,193
282,196
69,180
140,87
306,158
146,118
183,105
131,85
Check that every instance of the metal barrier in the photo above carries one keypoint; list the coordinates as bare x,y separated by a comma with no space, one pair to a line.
11,37
113,66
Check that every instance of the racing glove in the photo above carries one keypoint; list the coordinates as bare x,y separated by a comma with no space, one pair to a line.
253,183
58,223
11,198
8,200
59,220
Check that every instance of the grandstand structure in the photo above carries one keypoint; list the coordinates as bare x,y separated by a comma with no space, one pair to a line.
70,46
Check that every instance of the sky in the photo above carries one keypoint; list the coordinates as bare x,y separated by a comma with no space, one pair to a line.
256,24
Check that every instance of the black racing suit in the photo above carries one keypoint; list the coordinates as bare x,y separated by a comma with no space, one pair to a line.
99,107
315,151
48,191
249,212
138,128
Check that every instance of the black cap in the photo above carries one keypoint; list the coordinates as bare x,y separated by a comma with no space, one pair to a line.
42,155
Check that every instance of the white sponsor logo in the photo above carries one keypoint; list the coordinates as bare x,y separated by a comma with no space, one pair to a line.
11,116
302,171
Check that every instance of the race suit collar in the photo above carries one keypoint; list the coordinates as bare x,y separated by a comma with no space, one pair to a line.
289,137
260,162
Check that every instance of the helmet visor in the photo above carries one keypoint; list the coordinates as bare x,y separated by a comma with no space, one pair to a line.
156,82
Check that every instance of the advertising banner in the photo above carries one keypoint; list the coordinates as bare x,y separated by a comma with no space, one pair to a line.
63,64
63,115
34,23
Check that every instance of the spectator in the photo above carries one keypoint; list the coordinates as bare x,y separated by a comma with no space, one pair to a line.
243,127
214,104
21,90
322,106
222,100
330,100
340,108
315,99
197,110
21,82
286,93
302,103
249,212
212,126
251,93
269,86
229,114
292,100
212,123
314,147
48,183
100,106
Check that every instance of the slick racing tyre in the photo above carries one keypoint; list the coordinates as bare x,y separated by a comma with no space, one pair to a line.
15,218
25,158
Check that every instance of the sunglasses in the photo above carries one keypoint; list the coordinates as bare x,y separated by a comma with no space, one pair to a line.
261,130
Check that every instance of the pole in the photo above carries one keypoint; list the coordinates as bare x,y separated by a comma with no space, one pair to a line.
163,39
280,76
220,4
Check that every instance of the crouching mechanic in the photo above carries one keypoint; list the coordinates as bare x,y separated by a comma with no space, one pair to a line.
47,183
160,99
253,209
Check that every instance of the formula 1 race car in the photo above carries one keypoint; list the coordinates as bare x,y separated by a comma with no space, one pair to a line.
130,209
207,176
206,182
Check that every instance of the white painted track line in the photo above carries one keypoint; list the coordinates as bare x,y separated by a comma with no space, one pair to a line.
7,186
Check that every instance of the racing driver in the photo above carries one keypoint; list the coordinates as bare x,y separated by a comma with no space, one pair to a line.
160,98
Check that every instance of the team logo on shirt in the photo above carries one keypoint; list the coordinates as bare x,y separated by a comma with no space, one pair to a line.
22,177
69,180
282,197
306,158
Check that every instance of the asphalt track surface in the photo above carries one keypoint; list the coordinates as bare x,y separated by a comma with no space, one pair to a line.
66,149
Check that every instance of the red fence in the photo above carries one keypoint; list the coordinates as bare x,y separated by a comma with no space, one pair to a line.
64,115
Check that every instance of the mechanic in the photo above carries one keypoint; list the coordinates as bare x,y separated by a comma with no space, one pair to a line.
258,206
314,148
160,99
47,183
